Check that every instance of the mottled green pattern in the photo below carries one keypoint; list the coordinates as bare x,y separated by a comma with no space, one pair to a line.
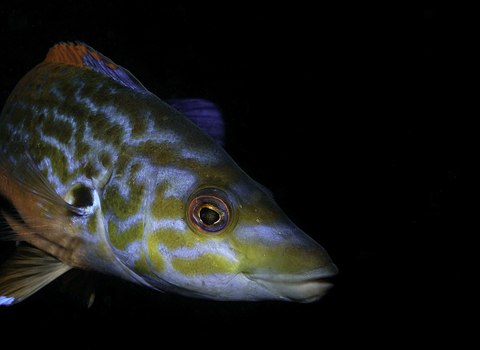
120,239
123,207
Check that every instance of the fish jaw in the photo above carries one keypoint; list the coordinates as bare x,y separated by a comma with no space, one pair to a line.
295,268
304,288
251,271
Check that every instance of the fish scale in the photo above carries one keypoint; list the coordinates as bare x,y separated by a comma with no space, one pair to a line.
101,174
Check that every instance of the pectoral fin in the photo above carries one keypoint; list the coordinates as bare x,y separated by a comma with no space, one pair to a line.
31,210
27,271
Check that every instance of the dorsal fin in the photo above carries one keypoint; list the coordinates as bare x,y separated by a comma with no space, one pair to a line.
81,55
205,114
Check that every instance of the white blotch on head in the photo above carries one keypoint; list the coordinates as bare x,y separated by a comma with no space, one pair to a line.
133,252
205,158
265,234
175,224
179,182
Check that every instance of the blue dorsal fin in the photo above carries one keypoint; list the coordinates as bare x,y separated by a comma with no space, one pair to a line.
84,56
204,114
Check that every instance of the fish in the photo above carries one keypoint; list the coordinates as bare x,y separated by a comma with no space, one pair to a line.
99,174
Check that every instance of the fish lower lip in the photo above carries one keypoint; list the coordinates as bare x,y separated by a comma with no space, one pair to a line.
303,287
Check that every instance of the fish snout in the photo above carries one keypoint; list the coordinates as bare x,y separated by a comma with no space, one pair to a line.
293,268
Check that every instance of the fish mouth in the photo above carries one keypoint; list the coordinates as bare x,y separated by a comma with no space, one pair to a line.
303,287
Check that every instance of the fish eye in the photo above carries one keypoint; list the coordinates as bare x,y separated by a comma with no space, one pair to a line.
209,211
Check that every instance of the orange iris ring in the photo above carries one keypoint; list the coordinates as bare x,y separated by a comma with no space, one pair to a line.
214,199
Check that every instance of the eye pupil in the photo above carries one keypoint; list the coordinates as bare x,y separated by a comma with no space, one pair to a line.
209,216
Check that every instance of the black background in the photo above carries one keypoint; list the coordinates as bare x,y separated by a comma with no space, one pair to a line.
353,115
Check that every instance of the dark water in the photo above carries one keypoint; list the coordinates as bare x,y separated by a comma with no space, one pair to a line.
353,116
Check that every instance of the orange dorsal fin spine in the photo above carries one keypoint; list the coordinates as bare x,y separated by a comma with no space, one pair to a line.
68,53
83,56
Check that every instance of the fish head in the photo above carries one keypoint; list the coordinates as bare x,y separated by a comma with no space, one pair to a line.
215,233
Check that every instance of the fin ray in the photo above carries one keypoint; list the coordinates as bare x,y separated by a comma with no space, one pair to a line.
205,114
83,56
29,203
26,272
32,210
